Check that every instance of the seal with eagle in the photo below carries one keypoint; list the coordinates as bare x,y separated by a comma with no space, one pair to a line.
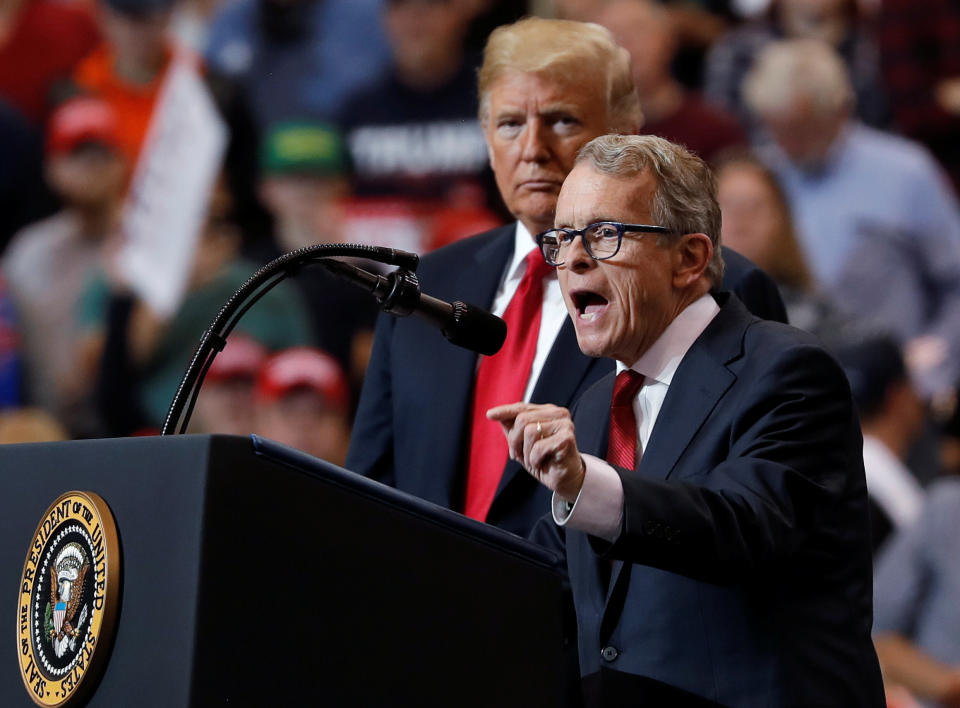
66,593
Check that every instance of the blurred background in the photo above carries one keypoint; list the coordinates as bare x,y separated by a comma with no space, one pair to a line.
154,153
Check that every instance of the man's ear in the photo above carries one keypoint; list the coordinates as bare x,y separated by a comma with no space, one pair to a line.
692,255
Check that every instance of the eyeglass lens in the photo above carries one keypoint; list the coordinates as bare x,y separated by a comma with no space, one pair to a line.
601,241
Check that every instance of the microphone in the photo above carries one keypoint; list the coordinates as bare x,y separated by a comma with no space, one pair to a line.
399,294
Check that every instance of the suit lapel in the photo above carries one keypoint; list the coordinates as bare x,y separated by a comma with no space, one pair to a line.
477,282
564,370
699,383
454,369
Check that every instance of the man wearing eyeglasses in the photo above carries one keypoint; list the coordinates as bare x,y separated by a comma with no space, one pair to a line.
546,87
716,534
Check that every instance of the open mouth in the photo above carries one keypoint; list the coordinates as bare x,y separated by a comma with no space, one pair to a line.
589,305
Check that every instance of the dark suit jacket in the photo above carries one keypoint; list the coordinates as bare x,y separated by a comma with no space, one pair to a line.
412,423
742,572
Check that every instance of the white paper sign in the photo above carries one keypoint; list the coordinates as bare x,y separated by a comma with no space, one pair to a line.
167,204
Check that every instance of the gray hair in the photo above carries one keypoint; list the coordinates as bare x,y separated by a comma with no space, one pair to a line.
559,48
685,199
798,69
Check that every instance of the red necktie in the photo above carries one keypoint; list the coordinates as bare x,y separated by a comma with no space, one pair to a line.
502,378
622,447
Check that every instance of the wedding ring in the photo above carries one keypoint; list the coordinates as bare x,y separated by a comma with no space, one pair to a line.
539,430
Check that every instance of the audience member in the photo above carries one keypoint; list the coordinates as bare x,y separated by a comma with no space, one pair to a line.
41,41
305,181
302,400
285,59
758,224
272,61
670,110
698,25
49,264
870,207
29,425
835,22
420,158
920,57
757,221
916,627
305,178
144,355
127,69
414,132
225,404
891,417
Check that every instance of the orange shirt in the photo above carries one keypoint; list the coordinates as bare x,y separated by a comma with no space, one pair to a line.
133,103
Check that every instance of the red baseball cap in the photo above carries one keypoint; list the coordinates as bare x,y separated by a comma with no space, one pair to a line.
303,367
84,119
241,358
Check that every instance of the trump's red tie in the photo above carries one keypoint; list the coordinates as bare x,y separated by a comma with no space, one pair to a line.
502,378
622,447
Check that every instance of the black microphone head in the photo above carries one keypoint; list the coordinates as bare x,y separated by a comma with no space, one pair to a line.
475,329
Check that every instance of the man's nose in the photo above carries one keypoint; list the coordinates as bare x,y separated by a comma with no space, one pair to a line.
576,257
536,147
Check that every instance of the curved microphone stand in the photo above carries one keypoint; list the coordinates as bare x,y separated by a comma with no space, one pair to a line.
215,337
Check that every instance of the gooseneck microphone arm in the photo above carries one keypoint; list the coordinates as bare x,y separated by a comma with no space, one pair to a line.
397,293
259,284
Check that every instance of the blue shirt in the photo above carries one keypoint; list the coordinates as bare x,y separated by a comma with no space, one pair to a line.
917,578
879,226
869,178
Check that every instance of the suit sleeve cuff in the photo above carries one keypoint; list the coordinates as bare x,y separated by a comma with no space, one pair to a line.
598,509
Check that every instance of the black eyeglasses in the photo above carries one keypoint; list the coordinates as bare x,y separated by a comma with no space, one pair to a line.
601,240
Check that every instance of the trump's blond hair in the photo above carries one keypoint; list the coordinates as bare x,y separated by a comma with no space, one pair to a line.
563,49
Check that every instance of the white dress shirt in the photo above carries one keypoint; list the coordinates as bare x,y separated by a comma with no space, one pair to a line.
598,509
553,313
891,485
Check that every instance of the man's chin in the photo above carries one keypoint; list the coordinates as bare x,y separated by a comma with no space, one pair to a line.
591,347
536,209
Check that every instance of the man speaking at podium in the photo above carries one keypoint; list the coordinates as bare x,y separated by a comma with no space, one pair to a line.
716,535
546,88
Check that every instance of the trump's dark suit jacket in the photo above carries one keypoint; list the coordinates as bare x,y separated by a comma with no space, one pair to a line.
742,572
412,425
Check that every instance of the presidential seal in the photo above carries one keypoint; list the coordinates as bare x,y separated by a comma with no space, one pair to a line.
67,605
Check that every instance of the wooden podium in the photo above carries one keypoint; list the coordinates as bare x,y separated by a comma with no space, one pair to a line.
252,574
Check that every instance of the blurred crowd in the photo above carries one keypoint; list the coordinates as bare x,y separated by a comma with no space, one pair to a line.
833,125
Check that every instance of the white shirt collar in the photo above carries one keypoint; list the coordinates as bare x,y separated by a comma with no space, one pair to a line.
523,243
661,361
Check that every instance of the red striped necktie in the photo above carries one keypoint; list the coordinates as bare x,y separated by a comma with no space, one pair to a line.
622,447
502,378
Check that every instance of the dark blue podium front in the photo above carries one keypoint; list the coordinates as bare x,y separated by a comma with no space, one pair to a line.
253,574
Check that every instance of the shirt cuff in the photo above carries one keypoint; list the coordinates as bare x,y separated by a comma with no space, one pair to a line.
598,508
